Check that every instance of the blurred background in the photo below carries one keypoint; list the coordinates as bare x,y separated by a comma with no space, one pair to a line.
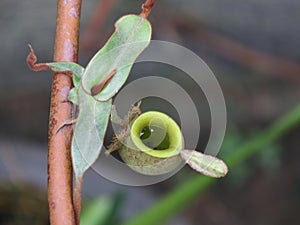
252,47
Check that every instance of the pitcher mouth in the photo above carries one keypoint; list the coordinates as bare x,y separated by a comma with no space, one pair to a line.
157,135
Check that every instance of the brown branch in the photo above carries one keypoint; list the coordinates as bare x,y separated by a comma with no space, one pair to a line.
147,7
250,57
239,53
59,155
96,23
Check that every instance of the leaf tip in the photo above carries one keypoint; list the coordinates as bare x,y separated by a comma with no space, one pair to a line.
31,60
206,164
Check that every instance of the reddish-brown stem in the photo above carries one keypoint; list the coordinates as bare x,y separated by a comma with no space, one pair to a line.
59,155
32,61
33,65
77,199
147,7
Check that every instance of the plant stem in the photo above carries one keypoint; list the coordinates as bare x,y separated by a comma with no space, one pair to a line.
77,199
59,155
147,7
179,198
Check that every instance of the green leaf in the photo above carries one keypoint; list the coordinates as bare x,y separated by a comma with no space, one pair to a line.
102,211
89,131
73,96
76,69
205,164
132,35
95,212
77,73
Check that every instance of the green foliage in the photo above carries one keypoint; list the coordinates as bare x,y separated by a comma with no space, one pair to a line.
89,132
102,211
77,70
73,96
131,37
93,90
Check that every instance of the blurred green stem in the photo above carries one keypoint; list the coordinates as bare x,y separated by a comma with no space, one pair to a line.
179,198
